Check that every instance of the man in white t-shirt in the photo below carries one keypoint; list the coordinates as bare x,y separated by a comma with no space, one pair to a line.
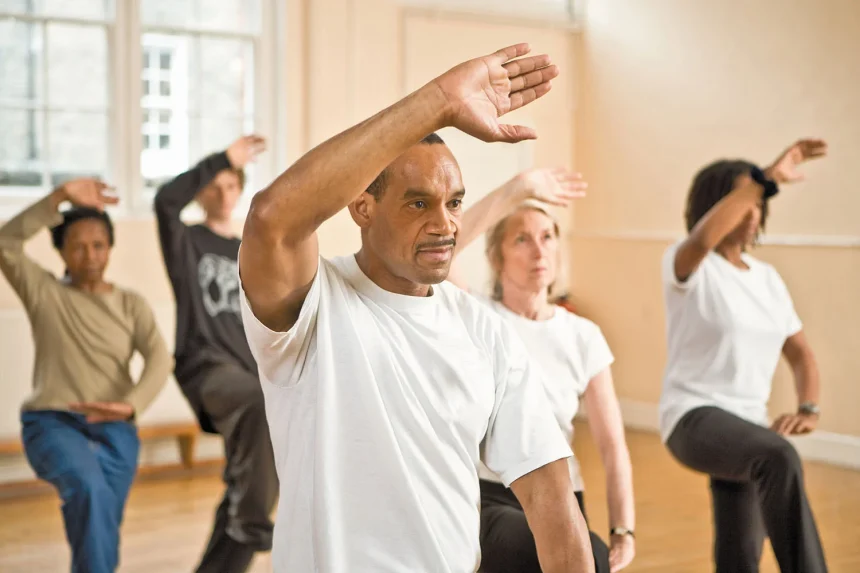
383,386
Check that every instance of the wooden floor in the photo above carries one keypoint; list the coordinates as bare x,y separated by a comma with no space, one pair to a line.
167,521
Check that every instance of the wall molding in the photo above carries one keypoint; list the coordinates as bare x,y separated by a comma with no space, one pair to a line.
490,13
824,447
784,240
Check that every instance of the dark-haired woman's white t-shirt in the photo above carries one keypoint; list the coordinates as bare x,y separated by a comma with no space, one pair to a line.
725,330
569,351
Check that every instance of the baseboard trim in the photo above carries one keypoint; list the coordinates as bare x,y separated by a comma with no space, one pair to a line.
36,487
824,447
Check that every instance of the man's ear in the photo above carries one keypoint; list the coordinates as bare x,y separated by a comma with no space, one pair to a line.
362,208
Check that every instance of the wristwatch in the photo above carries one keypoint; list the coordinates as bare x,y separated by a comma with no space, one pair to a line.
810,408
770,186
621,531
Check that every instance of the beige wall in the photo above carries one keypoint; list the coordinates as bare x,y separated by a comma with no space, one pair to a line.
669,85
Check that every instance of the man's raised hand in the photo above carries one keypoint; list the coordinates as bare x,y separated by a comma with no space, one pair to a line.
480,91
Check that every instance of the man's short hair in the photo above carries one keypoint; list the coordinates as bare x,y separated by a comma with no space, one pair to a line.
378,185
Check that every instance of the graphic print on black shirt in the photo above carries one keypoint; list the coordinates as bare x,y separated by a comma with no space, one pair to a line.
219,284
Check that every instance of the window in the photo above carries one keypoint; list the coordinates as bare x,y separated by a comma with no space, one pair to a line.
198,82
53,125
81,77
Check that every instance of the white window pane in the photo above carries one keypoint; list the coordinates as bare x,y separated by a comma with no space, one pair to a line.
222,73
77,66
21,148
88,9
238,16
20,61
77,144
216,134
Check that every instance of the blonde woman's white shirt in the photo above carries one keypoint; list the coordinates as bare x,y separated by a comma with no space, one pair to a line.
568,351
379,407
725,329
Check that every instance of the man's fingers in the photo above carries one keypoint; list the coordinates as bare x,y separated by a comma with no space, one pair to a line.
515,133
526,65
534,78
526,96
509,53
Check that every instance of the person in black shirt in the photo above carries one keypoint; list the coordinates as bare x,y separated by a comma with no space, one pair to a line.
214,365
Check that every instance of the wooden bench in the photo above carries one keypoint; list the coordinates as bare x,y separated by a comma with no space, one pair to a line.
185,434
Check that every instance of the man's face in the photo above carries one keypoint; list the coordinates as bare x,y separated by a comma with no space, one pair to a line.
412,227
219,197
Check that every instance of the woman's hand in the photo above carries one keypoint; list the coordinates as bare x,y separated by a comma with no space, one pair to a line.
784,169
622,549
795,424
554,186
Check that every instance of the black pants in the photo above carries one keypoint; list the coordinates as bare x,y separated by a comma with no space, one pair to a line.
756,489
232,400
507,543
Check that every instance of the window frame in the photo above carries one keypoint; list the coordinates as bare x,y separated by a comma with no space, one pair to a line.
124,111
514,10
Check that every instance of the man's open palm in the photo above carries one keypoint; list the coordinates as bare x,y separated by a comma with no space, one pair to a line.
480,91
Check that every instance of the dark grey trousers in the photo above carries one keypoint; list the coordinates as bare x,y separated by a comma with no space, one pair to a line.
507,543
756,489
233,400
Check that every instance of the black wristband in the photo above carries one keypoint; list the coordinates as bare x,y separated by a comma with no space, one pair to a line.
770,186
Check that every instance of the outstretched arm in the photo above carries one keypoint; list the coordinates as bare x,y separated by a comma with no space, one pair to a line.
279,253
552,186
731,210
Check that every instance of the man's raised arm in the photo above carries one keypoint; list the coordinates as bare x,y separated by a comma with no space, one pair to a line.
279,254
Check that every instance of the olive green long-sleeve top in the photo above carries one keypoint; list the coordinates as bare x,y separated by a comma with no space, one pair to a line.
84,341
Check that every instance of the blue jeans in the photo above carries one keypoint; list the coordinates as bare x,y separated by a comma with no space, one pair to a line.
92,466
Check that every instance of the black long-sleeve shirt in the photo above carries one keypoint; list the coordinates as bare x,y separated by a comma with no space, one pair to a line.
202,267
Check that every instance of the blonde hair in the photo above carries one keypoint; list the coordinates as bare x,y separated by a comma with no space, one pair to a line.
496,235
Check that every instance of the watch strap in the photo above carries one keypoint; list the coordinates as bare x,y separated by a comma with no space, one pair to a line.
809,408
622,531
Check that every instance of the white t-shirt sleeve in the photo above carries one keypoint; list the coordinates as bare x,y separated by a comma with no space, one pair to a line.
598,356
668,271
523,434
281,356
793,324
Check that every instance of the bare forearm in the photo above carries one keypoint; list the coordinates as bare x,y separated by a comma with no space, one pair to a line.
806,379
619,490
726,215
563,543
332,175
488,211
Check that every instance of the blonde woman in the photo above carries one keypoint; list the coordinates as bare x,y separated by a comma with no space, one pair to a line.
571,352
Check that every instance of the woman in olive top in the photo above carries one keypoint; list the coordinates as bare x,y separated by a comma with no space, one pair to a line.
78,429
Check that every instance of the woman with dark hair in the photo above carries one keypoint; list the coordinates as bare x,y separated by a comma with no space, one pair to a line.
729,317
78,425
